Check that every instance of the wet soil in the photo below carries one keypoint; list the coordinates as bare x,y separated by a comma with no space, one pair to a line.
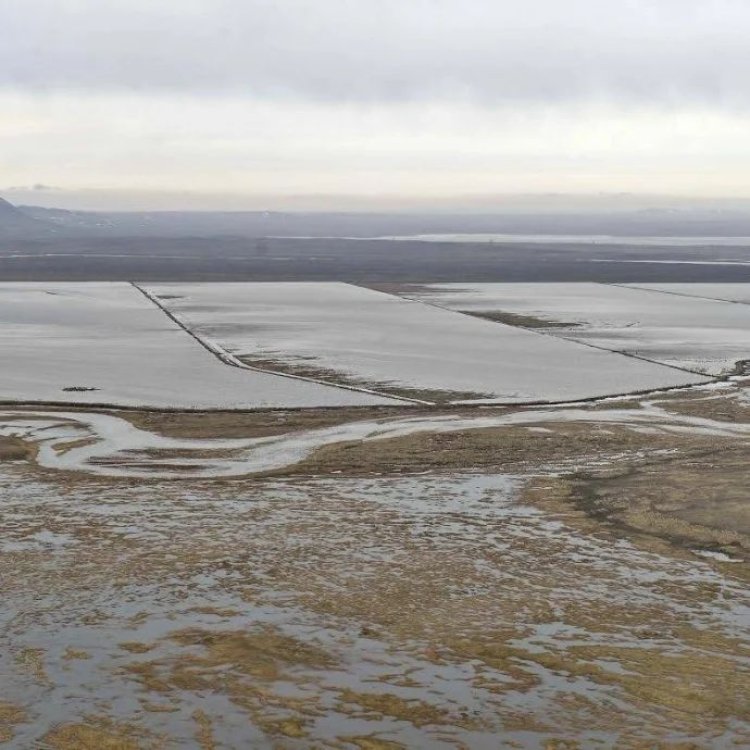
698,500
259,423
503,449
520,321
732,405
336,377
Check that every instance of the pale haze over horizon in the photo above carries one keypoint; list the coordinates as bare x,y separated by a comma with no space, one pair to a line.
336,104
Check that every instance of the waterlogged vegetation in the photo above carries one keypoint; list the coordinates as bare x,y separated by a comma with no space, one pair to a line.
529,579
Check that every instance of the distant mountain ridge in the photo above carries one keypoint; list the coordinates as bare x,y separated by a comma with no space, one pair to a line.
33,222
15,223
6,208
257,224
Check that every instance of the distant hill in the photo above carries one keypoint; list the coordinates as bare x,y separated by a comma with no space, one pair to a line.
17,224
33,221
255,224
7,209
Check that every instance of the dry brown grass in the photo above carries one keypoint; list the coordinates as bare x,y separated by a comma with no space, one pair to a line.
10,717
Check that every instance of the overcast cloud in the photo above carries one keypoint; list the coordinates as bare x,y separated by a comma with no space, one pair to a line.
342,96
650,50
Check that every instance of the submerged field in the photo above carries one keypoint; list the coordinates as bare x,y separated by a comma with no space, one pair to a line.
106,343
387,574
245,346
698,332
345,333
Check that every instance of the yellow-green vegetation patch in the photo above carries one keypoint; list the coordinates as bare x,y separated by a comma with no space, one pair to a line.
416,712
373,743
10,717
519,321
289,727
261,653
100,734
496,653
697,688
72,654
136,647
695,683
159,708
32,661
204,734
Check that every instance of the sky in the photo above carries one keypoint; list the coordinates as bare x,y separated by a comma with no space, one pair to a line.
334,104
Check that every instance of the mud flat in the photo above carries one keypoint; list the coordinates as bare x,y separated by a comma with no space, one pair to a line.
547,578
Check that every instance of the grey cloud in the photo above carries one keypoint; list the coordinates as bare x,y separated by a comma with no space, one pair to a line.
664,51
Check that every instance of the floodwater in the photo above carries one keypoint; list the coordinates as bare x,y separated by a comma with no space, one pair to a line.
418,612
107,445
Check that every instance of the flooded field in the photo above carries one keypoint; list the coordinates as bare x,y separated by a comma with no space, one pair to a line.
342,333
107,343
700,328
522,582
374,376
